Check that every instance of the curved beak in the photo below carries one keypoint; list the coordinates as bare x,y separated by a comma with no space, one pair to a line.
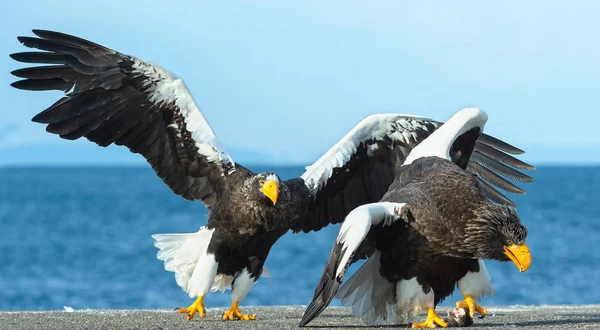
271,190
519,254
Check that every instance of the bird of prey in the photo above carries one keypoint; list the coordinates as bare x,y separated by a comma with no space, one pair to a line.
114,98
428,234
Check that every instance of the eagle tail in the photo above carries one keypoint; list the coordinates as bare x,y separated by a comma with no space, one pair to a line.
180,252
370,295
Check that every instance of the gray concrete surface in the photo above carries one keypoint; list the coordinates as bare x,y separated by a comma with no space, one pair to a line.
277,318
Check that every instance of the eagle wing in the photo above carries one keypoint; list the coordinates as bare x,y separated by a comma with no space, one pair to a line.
353,232
361,166
113,98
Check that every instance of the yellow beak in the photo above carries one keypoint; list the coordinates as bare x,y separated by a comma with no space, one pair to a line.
271,190
519,254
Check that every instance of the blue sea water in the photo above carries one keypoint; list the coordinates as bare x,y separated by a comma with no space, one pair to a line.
80,237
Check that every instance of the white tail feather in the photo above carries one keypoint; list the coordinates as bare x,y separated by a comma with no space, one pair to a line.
181,252
369,294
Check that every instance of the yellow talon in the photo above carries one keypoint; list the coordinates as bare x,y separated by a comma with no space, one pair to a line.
196,307
432,321
234,313
470,305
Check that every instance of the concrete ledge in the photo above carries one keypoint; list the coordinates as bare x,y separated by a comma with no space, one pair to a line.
287,317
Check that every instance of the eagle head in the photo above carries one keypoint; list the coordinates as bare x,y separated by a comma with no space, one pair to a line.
502,235
266,187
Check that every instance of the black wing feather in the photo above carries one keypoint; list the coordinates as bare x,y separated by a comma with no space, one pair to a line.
499,156
43,84
368,173
494,178
499,167
327,287
113,100
499,144
492,193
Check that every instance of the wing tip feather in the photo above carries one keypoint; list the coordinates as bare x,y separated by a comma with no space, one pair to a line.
25,40
15,56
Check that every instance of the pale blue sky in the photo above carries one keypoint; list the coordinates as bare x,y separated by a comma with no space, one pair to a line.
282,81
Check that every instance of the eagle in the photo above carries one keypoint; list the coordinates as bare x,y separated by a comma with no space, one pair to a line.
428,234
114,98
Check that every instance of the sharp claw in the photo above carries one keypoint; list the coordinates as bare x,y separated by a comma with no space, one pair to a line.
432,321
196,307
471,306
234,313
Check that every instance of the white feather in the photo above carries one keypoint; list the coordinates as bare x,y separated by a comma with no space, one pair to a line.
222,282
477,284
165,87
439,142
411,299
181,254
357,224
373,127
242,285
369,294
203,276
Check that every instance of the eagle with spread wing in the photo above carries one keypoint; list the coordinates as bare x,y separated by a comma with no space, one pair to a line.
114,98
427,235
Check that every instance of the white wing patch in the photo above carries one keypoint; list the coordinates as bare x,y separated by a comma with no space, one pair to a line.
439,142
372,127
165,88
357,224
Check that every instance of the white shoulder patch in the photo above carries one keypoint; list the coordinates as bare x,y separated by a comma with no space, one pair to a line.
439,142
398,127
163,87
358,223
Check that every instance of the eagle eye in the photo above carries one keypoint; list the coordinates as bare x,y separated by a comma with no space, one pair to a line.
509,242
261,182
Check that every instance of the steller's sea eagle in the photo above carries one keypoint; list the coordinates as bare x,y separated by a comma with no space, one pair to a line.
428,234
113,98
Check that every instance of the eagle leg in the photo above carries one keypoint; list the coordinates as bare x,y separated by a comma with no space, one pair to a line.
234,313
196,307
470,305
433,321
241,285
